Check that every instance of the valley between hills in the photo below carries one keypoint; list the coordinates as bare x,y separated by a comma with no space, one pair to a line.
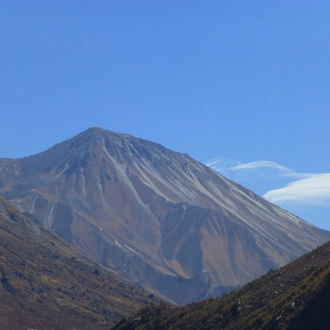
103,224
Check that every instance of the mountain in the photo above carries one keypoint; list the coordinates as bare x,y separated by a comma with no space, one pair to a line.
45,284
156,216
296,296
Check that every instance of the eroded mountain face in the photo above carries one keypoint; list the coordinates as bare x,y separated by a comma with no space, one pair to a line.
154,215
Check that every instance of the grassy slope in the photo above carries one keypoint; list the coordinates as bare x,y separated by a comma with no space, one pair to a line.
46,285
296,296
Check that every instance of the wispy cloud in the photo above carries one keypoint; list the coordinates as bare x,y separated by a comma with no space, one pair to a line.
262,164
310,189
236,170
223,165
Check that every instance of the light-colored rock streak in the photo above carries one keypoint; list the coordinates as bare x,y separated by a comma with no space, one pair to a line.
49,220
134,251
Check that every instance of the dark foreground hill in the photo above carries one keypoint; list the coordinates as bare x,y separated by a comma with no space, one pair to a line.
296,296
155,216
46,285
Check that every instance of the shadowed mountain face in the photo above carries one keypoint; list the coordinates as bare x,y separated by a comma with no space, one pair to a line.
154,215
45,284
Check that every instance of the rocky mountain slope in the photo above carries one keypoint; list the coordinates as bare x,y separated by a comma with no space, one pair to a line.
296,296
44,284
154,215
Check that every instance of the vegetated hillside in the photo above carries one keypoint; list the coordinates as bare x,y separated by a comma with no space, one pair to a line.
46,285
154,215
296,296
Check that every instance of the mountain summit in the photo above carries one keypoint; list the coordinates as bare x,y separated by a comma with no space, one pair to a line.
154,215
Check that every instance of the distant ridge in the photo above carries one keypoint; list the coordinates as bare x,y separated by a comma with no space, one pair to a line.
155,216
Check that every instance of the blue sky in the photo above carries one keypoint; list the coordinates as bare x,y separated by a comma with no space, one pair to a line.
246,81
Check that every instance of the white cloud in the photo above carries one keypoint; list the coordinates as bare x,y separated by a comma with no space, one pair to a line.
310,189
313,190
261,164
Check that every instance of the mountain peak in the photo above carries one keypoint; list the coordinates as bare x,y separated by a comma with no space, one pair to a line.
98,131
155,215
92,132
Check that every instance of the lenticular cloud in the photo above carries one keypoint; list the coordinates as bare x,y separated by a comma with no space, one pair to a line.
313,190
